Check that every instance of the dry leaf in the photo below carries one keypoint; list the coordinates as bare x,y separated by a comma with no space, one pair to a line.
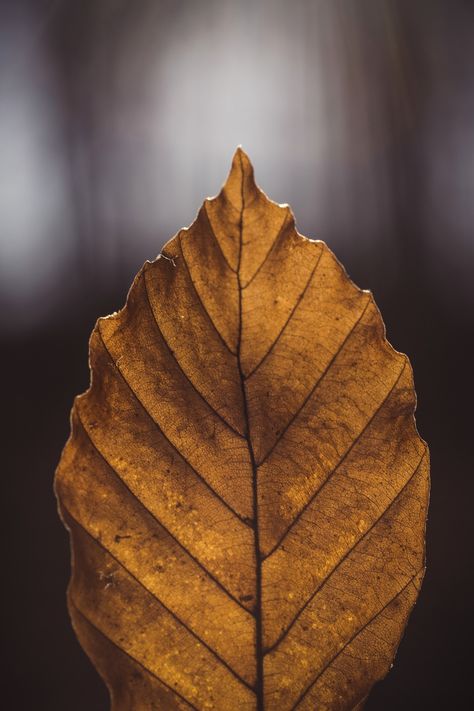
244,485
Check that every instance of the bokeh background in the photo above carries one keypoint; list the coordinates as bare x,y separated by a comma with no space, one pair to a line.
117,118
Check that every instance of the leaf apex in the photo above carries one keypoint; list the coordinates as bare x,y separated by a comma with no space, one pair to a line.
240,181
242,163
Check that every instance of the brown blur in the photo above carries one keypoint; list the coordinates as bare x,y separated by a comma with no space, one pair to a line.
116,119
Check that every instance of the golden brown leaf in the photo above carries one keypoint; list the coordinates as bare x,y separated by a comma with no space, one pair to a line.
244,485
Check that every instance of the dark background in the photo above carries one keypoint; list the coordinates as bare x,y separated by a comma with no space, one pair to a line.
116,119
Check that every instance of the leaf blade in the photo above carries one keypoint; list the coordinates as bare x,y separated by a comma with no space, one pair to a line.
244,463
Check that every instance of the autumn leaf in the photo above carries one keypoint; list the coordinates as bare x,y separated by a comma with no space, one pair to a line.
244,484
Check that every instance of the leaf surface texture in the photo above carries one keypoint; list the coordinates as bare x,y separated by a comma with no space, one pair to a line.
244,484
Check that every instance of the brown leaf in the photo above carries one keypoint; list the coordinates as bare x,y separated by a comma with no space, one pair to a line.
244,485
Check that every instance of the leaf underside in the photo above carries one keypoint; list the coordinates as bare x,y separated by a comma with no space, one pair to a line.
244,484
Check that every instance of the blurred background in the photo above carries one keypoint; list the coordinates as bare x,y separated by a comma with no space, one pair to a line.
117,118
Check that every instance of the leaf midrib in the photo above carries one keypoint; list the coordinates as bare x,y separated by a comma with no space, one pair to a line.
257,612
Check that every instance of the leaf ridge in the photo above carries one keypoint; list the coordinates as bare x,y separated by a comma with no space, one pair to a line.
356,634
290,316
341,460
259,684
186,461
127,654
185,375
346,555
211,321
313,389
160,602
158,521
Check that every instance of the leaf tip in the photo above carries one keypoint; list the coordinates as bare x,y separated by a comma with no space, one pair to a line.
240,181
240,154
